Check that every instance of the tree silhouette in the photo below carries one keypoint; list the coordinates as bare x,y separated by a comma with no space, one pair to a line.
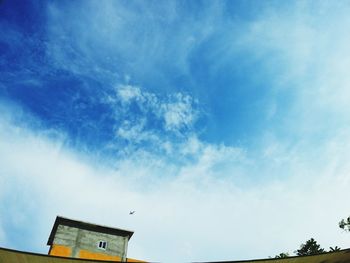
334,249
345,224
309,248
282,255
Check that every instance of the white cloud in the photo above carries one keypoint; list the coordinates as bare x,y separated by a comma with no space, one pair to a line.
119,35
136,133
303,49
180,209
157,116
128,92
224,202
305,53
178,113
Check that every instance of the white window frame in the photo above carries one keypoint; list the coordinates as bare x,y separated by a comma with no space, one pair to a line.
102,244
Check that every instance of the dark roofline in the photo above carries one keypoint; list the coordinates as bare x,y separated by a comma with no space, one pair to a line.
87,226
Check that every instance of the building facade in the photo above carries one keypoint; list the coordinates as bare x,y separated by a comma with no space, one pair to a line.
77,239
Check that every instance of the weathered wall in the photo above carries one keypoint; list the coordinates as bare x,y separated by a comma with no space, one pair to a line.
13,256
60,250
83,244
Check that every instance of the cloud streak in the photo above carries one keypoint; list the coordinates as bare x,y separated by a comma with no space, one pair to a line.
195,202
176,112
134,84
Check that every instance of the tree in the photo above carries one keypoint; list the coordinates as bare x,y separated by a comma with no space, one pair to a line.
309,248
345,224
282,255
334,249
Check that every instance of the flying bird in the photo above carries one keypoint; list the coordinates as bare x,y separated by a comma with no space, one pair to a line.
131,212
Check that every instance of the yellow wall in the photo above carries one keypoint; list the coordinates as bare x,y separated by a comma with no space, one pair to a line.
135,260
60,250
64,251
100,256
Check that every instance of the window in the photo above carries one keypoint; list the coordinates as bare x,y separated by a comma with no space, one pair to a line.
102,245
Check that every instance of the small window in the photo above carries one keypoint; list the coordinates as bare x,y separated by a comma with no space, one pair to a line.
102,245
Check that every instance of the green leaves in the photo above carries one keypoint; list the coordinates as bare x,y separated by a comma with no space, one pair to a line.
310,248
282,255
334,249
345,224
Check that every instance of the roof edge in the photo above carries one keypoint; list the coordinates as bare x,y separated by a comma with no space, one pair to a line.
60,220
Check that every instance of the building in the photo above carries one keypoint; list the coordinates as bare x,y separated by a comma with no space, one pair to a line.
73,241
77,239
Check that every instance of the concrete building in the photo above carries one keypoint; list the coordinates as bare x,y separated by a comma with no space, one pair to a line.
73,241
77,239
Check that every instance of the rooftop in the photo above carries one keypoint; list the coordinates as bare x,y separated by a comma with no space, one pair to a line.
87,226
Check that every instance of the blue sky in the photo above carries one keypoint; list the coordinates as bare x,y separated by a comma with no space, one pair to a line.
221,120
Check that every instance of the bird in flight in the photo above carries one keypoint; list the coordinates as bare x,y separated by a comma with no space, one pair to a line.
131,212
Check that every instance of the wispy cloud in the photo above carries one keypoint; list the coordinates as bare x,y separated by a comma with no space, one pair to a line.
127,42
281,74
199,201
151,121
127,93
179,113
176,111
306,57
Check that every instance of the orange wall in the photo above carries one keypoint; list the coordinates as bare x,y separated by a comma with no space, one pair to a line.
135,260
60,250
64,251
100,256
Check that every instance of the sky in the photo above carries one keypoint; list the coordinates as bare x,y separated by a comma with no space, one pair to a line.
224,124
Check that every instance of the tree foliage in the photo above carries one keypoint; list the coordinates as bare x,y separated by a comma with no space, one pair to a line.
334,249
282,255
310,248
345,224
